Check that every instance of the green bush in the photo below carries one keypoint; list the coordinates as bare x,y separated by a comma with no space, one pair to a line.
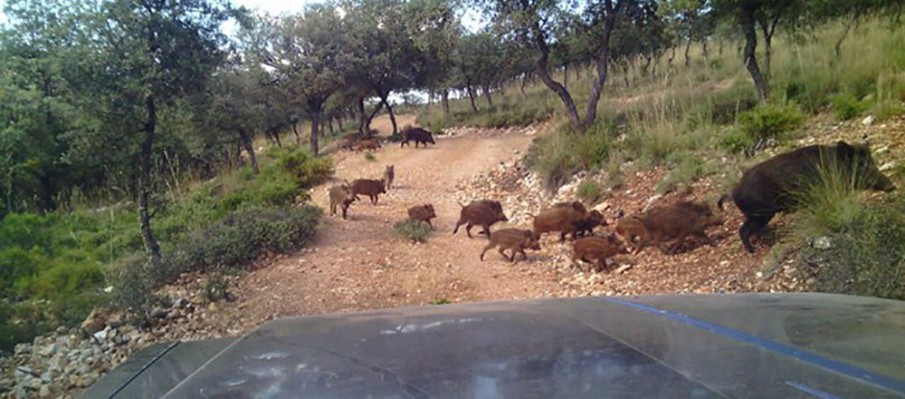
770,121
134,279
589,191
370,157
846,106
242,236
413,230
885,109
689,168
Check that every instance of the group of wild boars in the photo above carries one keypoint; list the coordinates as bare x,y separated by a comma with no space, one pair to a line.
563,217
484,213
367,145
341,195
668,223
389,173
516,240
777,184
423,213
596,250
371,188
418,135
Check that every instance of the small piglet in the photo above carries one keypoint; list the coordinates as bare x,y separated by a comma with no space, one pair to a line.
516,240
423,213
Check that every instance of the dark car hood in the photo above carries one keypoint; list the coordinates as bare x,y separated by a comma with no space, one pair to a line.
693,346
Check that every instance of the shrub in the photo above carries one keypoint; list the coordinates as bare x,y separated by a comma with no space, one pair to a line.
770,121
242,236
215,288
846,106
689,168
885,109
370,157
134,279
413,230
735,141
830,203
589,191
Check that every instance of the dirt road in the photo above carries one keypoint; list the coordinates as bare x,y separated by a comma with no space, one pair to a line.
360,263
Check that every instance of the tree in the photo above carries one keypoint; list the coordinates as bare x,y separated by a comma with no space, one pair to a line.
146,54
306,56
533,22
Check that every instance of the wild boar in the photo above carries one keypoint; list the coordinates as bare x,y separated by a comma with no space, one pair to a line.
423,213
484,213
597,250
516,240
631,228
349,141
367,145
587,225
663,224
388,175
776,185
561,217
371,188
418,135
341,195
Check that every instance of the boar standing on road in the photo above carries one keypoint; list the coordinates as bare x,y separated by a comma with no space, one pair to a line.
597,250
776,185
423,213
341,195
371,188
388,175
484,213
516,240
418,135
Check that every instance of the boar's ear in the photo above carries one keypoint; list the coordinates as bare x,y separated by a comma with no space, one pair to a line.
844,150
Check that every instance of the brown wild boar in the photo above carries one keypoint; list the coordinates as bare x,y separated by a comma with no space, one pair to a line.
776,185
388,175
587,225
597,250
516,240
561,217
631,229
418,135
341,195
666,223
484,213
371,188
349,141
423,213
367,145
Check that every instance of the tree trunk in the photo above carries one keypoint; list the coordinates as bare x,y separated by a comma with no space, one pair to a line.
749,53
719,48
144,180
687,49
339,122
565,80
838,46
603,61
704,50
383,100
295,131
672,55
245,140
522,86
487,96
444,101
566,98
315,129
330,126
471,96
275,133
362,117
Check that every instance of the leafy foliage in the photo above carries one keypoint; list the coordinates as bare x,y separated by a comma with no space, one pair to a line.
413,230
770,121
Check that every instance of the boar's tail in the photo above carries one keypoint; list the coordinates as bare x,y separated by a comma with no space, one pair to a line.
722,199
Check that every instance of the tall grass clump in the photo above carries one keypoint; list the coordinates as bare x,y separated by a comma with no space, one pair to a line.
866,242
562,153
770,121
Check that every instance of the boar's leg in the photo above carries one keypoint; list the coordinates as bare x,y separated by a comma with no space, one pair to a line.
502,251
429,223
468,229
486,230
345,210
487,248
459,223
710,241
752,225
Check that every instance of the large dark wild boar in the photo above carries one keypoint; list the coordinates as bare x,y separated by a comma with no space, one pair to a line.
418,135
388,175
341,195
371,188
561,217
663,224
423,213
597,250
776,184
484,213
516,240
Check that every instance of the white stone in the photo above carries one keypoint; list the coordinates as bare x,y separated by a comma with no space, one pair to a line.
822,243
869,120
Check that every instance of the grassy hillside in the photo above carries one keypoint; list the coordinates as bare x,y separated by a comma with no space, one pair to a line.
54,267
704,121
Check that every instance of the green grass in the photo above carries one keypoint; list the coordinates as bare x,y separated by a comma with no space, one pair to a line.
53,267
589,191
413,230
